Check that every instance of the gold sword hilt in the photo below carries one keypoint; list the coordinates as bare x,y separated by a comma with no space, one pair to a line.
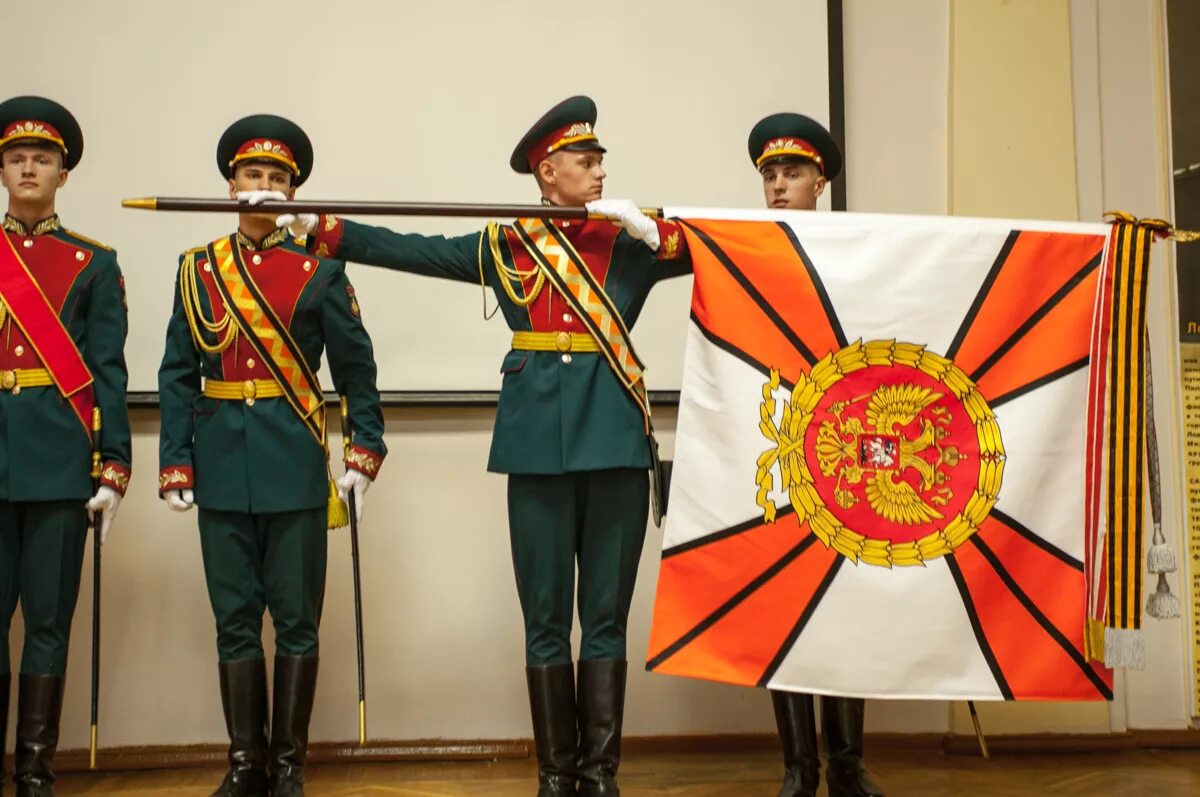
95,442
347,432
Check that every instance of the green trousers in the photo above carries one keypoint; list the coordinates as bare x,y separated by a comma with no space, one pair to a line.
41,557
269,561
595,520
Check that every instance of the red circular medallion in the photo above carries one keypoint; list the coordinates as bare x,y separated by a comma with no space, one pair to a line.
893,454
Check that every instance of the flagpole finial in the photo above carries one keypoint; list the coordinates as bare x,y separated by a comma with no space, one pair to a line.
145,203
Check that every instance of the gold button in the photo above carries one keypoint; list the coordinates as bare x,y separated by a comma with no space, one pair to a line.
566,358
8,380
79,255
562,341
568,318
249,391
250,362
28,243
308,265
208,266
256,259
19,350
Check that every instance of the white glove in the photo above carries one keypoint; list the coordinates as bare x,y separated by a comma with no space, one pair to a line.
630,216
180,500
359,483
105,501
256,197
298,224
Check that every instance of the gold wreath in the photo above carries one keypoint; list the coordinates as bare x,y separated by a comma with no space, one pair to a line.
787,438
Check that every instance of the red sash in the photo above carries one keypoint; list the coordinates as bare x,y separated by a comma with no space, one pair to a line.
31,311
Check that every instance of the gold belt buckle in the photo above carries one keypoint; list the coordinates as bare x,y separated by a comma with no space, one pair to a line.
8,380
562,341
249,392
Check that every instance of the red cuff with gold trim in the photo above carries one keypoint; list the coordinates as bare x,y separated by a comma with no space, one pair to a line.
115,475
364,460
176,477
671,241
325,240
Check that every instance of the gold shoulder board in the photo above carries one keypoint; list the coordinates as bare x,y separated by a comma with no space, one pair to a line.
87,240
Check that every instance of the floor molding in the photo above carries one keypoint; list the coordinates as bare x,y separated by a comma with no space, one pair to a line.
1061,743
213,755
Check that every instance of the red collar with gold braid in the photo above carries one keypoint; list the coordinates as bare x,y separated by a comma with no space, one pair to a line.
47,225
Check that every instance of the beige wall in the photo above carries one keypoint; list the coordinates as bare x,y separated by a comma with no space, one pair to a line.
443,626
1012,147
897,59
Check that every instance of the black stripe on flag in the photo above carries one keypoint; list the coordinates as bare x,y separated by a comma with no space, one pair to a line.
1058,553
1042,620
1040,382
984,290
723,534
730,349
822,294
805,616
731,604
985,647
1033,320
754,294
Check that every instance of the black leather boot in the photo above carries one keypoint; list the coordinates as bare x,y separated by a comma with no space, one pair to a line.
295,686
39,708
5,685
552,704
244,698
601,712
796,720
842,721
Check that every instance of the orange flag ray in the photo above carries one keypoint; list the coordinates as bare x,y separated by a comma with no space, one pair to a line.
799,327
743,641
1032,657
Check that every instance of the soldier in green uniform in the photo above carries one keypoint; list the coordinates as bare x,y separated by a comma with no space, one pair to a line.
796,156
570,427
62,339
243,438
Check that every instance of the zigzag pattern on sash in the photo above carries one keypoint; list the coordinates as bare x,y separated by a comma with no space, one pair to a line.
252,313
561,261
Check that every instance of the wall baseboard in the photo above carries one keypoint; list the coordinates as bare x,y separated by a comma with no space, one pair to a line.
213,755
1063,743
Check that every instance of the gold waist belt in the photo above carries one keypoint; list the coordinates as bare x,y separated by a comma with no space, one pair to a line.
246,390
554,341
24,377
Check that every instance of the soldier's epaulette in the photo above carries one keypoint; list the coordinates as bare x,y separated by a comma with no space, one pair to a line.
87,240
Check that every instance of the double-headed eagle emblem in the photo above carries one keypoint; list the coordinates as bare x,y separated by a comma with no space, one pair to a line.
892,424
878,452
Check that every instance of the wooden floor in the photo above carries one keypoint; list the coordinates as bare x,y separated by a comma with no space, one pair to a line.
1168,773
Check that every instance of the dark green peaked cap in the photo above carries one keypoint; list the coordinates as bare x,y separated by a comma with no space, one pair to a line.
265,137
793,135
31,120
567,126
